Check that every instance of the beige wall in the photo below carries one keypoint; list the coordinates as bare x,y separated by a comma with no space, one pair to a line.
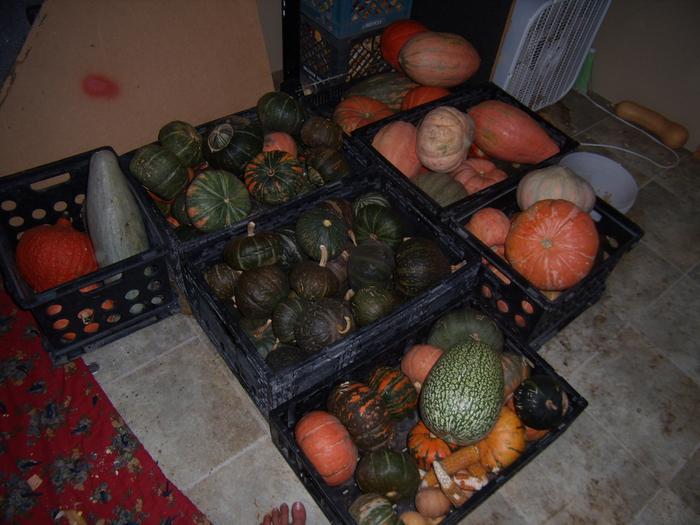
271,21
647,52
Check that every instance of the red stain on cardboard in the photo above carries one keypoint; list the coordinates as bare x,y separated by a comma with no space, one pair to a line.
100,86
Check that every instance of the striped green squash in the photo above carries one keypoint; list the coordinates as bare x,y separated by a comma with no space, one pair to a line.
312,280
216,199
440,187
274,177
330,163
378,223
419,264
253,250
371,303
465,323
260,333
396,389
371,264
373,509
366,199
463,394
231,144
389,88
279,111
285,317
392,474
258,291
320,226
291,253
183,140
159,170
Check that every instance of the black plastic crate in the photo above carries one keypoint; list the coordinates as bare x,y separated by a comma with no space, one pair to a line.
99,307
515,303
334,501
463,98
348,18
268,388
327,59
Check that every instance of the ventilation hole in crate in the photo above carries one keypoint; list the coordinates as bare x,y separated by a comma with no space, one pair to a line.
158,299
136,309
113,318
60,206
89,288
498,273
107,304
606,255
38,214
150,271
8,205
486,291
502,306
132,294
79,199
113,279
68,337
86,315
91,328
612,242
527,307
520,321
153,286
54,309
19,235
16,221
60,324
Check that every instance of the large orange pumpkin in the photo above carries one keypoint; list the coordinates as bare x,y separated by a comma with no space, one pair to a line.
50,255
418,361
422,95
444,137
439,59
553,244
327,444
478,174
489,225
508,133
395,36
357,111
397,143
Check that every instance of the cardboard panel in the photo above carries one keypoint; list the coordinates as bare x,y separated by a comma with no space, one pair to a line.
145,63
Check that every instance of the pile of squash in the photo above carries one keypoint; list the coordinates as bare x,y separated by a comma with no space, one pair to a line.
340,265
552,241
429,433
206,183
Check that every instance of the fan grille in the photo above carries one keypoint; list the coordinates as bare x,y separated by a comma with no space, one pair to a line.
554,47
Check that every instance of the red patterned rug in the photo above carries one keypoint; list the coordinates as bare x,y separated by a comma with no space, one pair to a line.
66,456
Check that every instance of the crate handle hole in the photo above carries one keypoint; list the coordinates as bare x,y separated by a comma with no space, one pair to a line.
502,306
520,321
43,185
527,307
486,291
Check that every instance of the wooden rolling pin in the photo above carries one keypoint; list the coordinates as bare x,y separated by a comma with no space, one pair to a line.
670,133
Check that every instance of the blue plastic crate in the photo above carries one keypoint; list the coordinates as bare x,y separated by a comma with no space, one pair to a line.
348,18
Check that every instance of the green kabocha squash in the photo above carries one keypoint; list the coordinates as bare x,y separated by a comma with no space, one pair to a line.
396,389
392,474
363,413
339,267
284,356
183,140
441,187
369,198
159,170
216,199
253,250
285,317
371,264
274,177
341,208
178,209
231,144
221,279
390,88
260,333
258,291
320,131
457,326
378,223
371,303
330,163
322,323
419,264
373,509
312,280
320,226
279,111
540,402
291,253
462,396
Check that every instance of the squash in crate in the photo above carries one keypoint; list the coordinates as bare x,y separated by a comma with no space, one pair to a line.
330,163
322,323
221,279
258,291
389,88
439,59
418,361
371,264
183,140
280,141
392,474
320,226
540,402
373,509
357,111
396,142
231,144
366,199
319,131
311,280
285,317
283,356
420,95
260,333
159,170
444,137
274,177
555,182
371,303
291,253
462,325
426,447
420,264
216,199
489,225
279,111
395,36
378,223
253,250
478,174
396,390
441,187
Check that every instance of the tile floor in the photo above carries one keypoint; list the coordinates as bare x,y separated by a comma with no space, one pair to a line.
632,456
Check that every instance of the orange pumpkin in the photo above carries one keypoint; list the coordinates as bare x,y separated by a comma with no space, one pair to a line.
489,225
418,361
280,141
478,174
397,143
357,111
327,445
505,443
439,59
476,153
426,447
50,255
395,36
553,244
444,137
422,95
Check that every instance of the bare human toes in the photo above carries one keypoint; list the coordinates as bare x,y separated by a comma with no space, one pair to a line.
298,514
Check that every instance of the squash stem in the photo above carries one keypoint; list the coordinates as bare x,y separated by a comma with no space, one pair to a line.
348,325
251,229
324,256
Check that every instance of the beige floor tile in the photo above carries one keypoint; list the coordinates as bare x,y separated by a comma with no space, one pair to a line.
251,484
694,273
671,325
666,509
572,114
128,353
643,400
682,180
186,412
686,483
585,476
494,511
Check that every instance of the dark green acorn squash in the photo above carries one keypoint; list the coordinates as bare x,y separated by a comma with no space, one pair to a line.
371,264
373,509
371,303
258,291
285,317
291,253
396,389
260,333
320,131
322,323
378,223
339,267
183,140
274,177
330,163
253,250
232,143
312,280
284,356
178,209
341,208
221,279
159,170
540,402
216,199
441,187
369,198
419,264
457,326
320,226
279,111
389,88
394,475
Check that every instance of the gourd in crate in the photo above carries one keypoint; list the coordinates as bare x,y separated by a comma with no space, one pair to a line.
478,174
420,95
311,280
371,264
381,223
231,144
441,187
280,141
463,324
371,303
396,390
426,447
183,140
322,323
373,509
274,177
540,402
420,264
444,137
216,199
258,291
392,474
395,36
159,170
329,163
279,111
357,111
318,131
555,182
396,142
389,88
253,250
319,226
